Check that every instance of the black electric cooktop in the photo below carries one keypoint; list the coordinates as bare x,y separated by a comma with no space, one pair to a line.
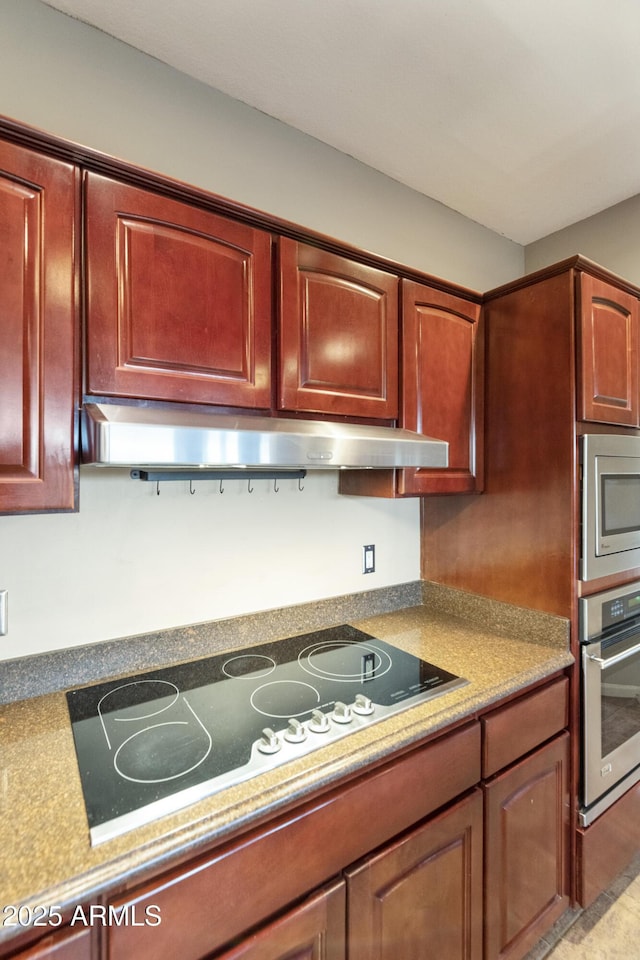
153,743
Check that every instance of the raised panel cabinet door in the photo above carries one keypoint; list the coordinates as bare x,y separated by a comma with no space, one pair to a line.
609,357
178,300
67,945
421,896
338,335
526,851
313,930
442,386
38,322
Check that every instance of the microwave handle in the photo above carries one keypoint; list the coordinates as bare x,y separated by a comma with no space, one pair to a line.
617,658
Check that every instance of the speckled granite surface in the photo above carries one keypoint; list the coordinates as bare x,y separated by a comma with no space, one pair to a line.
46,855
62,669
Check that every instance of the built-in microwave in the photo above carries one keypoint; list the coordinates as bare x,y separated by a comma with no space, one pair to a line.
610,540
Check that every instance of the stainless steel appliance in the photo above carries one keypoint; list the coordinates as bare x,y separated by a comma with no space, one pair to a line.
610,505
610,638
120,435
151,744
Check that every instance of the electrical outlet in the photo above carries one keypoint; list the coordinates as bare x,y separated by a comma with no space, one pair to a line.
4,612
369,558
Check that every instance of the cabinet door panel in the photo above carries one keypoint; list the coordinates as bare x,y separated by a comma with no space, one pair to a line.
608,321
527,845
69,945
338,335
179,300
314,930
442,386
422,896
37,331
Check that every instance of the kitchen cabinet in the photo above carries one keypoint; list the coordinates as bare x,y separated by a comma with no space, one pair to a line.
338,329
441,394
426,888
442,389
313,930
178,300
608,324
38,305
526,821
527,850
69,944
249,882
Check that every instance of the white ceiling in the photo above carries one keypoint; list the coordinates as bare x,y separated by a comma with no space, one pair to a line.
523,115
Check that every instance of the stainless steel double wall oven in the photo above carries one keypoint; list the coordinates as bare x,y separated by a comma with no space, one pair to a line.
610,621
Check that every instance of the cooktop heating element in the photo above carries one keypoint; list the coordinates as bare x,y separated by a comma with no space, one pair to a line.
151,744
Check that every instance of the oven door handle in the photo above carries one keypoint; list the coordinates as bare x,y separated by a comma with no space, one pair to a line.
617,658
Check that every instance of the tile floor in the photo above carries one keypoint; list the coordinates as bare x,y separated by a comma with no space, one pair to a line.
608,930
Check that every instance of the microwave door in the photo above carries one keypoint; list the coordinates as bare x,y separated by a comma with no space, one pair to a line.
618,516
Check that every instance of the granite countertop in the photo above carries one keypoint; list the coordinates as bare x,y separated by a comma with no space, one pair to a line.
46,855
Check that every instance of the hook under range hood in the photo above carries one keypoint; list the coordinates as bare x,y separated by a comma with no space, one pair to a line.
117,435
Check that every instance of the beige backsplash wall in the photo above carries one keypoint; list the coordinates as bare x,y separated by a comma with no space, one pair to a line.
130,562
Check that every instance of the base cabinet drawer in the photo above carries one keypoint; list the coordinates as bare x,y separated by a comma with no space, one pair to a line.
522,725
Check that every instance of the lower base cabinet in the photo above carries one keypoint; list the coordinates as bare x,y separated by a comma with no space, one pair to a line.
421,896
63,945
526,850
314,930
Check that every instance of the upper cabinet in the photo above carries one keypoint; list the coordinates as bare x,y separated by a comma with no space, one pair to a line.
608,342
38,212
178,300
441,394
442,363
338,335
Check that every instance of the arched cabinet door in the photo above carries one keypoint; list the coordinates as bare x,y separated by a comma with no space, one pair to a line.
608,343
442,388
338,329
38,322
178,300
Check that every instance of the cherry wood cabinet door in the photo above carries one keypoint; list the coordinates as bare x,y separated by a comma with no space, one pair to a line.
338,335
609,343
526,850
442,386
178,300
38,322
314,930
69,945
421,896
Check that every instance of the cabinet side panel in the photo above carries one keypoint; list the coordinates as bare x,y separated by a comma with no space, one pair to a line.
517,542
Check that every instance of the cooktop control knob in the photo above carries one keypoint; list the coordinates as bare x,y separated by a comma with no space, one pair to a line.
295,732
269,741
319,722
342,712
362,705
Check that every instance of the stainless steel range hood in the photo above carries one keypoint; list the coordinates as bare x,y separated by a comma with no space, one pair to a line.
134,436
